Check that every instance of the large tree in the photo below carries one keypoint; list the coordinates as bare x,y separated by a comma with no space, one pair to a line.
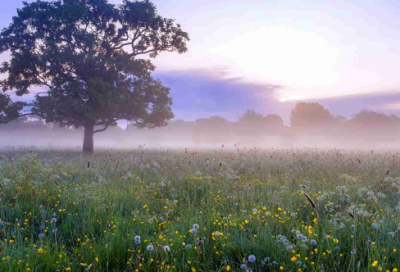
86,54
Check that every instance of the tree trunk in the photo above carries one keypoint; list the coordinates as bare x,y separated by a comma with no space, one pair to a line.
88,139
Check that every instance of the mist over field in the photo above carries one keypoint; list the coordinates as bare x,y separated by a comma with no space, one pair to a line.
312,126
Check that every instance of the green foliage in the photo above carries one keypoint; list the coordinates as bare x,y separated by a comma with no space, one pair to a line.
9,110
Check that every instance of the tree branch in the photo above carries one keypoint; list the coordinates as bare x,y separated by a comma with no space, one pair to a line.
21,115
122,45
101,130
150,51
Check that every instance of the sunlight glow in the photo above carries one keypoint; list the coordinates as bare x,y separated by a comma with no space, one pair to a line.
392,106
294,97
282,55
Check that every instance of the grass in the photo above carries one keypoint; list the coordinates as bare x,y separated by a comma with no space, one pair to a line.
199,210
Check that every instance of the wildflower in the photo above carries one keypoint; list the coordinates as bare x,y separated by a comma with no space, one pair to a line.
149,248
298,263
313,242
252,258
188,246
228,268
200,240
137,240
193,231
167,248
196,226
375,263
289,248
375,226
282,239
40,250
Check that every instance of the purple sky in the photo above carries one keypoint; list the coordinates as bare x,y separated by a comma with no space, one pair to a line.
266,54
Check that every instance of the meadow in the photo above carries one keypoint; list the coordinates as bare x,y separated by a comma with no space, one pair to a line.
193,210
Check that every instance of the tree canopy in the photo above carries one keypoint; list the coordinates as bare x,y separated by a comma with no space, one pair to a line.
252,127
214,129
311,117
9,110
88,55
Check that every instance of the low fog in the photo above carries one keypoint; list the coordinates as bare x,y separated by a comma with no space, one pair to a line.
311,126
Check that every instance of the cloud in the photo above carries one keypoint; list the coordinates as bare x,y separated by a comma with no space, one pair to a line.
201,93
392,106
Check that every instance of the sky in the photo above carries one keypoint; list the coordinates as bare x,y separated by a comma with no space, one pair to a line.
267,55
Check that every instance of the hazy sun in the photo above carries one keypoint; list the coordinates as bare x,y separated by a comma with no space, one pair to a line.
283,55
292,97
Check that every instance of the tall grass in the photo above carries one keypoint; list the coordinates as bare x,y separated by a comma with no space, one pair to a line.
199,210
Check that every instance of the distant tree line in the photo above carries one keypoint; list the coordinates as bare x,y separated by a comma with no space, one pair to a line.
310,123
